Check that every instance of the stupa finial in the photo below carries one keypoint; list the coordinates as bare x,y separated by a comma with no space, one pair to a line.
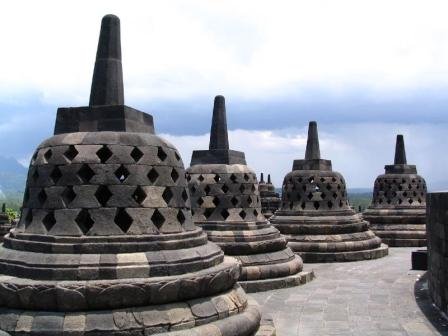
4,207
218,133
269,178
261,177
312,144
107,82
400,152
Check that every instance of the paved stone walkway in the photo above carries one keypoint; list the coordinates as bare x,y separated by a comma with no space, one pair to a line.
375,297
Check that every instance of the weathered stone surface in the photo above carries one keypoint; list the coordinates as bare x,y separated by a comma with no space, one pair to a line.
398,210
315,215
5,223
106,244
226,203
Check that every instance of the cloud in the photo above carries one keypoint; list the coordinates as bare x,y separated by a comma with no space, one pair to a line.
358,151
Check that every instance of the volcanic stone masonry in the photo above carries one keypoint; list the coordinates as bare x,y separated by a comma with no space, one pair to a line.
437,228
5,223
106,244
315,215
225,201
398,211
270,200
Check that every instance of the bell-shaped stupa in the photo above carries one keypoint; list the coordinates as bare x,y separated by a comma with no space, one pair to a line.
225,202
270,199
106,244
315,215
398,210
5,223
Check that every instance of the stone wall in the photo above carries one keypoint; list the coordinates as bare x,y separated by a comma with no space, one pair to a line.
437,234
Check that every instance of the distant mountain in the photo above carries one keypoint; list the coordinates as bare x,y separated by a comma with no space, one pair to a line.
12,177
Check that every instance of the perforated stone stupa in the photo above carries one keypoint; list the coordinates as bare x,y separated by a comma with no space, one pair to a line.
5,223
225,202
398,210
106,244
315,215
270,199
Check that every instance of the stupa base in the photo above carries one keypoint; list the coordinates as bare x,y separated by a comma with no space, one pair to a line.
228,314
263,285
324,257
398,242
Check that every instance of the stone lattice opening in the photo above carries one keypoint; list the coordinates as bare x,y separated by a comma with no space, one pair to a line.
152,175
104,154
167,195
139,195
68,195
49,221
103,195
55,174
161,154
122,173
136,154
123,220
71,153
85,173
84,221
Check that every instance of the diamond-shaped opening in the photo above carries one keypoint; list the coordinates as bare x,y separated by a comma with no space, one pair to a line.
389,201
253,188
400,201
104,154
409,187
136,154
317,188
49,221
184,195
28,218
201,178
330,204
303,205
123,220
103,195
152,175
157,219
323,195
208,212
48,154
255,212
225,188
122,173
68,195
167,195
304,187
85,173
335,195
42,196
234,201
187,177
333,179
419,200
207,189
161,154
249,200
200,201
217,178
233,178
242,188
216,201
71,153
310,195
55,174
224,214
322,179
84,221
341,204
139,195
35,174
311,179
181,217
316,205
177,156
246,177
405,194
339,187
300,180
328,187
174,175
243,214
410,201
193,189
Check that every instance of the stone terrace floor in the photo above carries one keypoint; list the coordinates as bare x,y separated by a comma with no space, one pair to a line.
374,297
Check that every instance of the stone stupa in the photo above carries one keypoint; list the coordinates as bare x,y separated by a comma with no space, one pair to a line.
398,210
270,199
106,244
225,202
5,223
316,217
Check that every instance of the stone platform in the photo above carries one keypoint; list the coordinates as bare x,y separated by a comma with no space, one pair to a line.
357,298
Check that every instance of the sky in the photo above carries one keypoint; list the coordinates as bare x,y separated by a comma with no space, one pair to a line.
364,70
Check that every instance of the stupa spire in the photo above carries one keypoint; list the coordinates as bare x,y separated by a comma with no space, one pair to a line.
261,178
218,133
312,144
107,81
400,151
269,178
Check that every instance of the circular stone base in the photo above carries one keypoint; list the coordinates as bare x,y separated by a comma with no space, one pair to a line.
397,242
262,285
315,257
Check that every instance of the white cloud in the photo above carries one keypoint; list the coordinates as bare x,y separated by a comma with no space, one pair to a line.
241,48
358,151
